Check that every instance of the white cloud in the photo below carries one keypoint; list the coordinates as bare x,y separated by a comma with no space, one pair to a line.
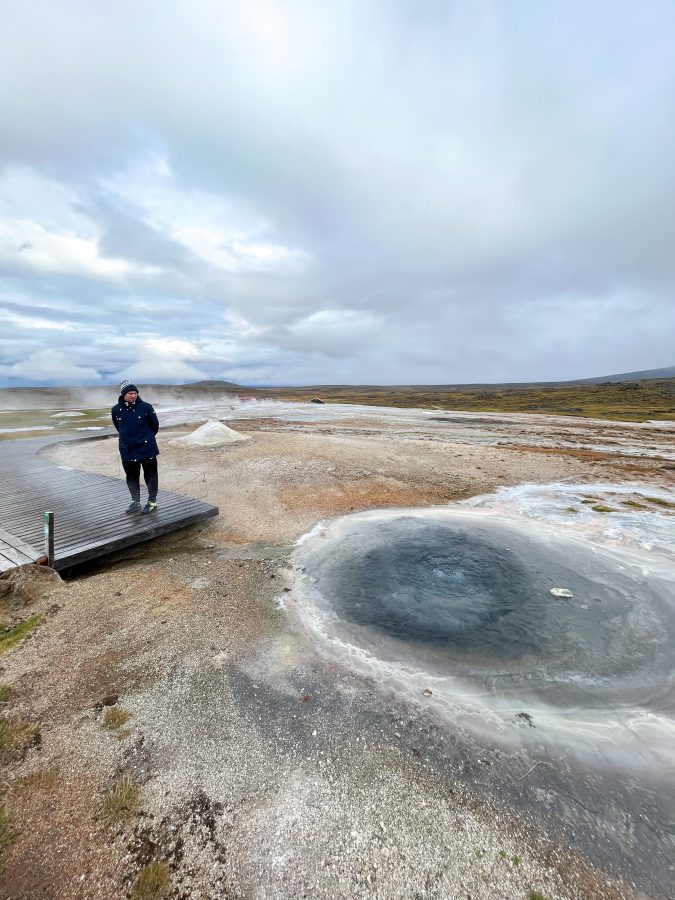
334,332
44,228
27,245
52,366
163,359
170,348
33,322
227,235
28,194
262,257
162,370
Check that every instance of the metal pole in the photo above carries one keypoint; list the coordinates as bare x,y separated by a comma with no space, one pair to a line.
49,538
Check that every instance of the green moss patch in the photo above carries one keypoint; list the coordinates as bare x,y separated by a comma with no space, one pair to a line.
152,883
14,635
16,737
120,804
114,717
634,504
659,501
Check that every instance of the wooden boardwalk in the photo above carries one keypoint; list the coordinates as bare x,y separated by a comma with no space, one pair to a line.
15,552
88,509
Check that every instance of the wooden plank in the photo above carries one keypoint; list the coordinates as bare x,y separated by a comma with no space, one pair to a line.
15,542
82,490
85,554
17,557
90,497
156,527
68,529
65,535
79,537
6,564
87,535
73,514
46,481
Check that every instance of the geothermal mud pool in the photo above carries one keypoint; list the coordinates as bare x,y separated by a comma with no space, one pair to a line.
518,619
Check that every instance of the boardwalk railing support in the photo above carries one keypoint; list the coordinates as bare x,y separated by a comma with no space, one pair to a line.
49,538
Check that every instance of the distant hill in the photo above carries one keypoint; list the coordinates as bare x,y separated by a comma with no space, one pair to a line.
647,374
207,386
668,372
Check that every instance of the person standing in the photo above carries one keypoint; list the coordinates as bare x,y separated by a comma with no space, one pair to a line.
137,424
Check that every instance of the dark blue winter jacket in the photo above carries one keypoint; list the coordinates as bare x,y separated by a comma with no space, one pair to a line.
137,424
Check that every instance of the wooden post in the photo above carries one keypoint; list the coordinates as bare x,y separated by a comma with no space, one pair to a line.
49,538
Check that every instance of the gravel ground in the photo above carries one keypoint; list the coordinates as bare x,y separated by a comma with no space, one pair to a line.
257,768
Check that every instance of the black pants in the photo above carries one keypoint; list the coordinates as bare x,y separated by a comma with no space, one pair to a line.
133,473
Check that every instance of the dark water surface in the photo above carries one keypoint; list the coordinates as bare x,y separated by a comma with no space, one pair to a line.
474,599
453,609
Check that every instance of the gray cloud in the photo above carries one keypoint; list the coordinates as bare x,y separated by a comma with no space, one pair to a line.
127,237
389,192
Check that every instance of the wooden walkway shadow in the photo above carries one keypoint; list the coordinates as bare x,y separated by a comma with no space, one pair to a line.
88,509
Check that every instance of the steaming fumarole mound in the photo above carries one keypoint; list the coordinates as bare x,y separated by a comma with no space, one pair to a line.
211,434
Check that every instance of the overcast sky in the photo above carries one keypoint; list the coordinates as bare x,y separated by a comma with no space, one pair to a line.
288,192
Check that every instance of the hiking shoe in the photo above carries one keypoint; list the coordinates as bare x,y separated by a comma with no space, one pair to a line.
150,507
133,507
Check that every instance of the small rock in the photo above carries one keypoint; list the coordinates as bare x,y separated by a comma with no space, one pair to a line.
108,700
426,692
526,717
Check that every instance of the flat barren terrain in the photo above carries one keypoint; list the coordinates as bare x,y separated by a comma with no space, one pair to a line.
171,729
